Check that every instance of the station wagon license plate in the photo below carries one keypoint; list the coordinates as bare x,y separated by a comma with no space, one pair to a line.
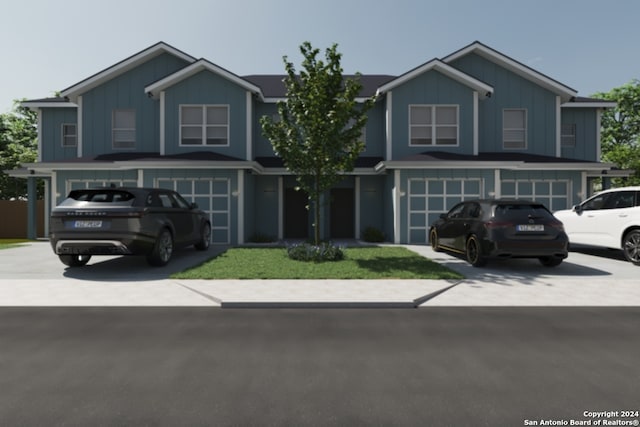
87,224
530,227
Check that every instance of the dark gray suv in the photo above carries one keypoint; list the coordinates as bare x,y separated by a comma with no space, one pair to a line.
126,221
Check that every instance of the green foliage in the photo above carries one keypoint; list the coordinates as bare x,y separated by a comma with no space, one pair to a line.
318,133
315,253
372,234
621,130
18,144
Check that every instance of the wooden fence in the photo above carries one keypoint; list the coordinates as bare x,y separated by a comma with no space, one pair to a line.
13,219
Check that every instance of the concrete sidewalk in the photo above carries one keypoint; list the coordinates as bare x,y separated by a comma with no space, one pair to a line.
582,280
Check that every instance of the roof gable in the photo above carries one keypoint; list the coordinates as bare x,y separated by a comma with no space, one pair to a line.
514,66
201,65
482,88
122,67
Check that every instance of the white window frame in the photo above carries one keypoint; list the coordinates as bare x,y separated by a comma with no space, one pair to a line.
67,135
124,144
506,129
434,125
568,139
204,125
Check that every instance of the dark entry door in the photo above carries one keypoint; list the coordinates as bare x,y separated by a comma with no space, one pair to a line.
296,215
342,213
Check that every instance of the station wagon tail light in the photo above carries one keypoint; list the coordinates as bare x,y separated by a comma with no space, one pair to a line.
557,225
493,225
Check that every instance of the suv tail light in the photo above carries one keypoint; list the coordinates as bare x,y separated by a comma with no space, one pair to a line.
493,225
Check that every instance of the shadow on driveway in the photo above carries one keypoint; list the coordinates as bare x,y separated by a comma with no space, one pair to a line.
135,268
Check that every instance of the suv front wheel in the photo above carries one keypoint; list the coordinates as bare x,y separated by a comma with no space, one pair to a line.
631,246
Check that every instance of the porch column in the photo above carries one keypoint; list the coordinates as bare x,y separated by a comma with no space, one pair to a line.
32,209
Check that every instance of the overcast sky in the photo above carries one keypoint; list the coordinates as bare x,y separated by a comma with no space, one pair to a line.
591,46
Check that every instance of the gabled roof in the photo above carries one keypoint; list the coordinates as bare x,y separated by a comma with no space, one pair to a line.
200,65
48,103
582,102
484,89
514,66
122,67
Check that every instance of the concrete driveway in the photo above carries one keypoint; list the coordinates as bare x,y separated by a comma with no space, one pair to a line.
31,275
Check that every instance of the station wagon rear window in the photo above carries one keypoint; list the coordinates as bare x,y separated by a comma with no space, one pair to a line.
101,196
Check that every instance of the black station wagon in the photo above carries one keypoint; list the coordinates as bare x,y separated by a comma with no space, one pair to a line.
482,229
126,221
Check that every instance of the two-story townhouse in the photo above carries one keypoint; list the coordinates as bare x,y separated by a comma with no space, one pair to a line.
473,124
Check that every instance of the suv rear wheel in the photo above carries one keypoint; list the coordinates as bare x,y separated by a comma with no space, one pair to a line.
162,250
74,260
631,246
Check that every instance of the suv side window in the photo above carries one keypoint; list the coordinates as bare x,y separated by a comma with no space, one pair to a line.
620,200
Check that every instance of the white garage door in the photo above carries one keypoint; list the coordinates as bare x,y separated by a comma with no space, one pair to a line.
212,196
428,198
555,194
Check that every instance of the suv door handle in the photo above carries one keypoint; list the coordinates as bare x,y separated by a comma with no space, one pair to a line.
623,215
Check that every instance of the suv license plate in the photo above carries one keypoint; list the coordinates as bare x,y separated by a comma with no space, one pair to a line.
530,227
87,224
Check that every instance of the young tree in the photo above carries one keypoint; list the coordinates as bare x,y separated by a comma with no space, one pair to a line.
18,144
318,134
621,129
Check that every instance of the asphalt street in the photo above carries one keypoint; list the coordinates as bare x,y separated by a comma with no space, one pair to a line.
472,366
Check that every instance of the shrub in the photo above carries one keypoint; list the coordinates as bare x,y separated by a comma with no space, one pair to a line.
372,234
315,253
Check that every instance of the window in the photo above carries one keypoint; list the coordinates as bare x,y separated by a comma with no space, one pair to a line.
124,129
204,125
69,135
514,129
433,125
568,135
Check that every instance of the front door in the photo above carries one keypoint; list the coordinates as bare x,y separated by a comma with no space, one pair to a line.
342,213
296,215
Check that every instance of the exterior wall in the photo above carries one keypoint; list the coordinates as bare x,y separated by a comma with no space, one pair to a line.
512,91
261,145
585,120
206,88
125,92
372,202
375,132
431,88
52,121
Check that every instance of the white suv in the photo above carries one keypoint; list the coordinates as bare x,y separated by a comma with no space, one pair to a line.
610,219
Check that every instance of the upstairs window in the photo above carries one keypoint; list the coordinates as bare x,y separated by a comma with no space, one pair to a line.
514,129
124,129
69,135
568,135
433,125
204,125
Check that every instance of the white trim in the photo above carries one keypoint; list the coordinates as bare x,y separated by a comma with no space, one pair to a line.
140,177
470,164
583,184
497,183
53,201
591,104
80,129
240,197
434,125
476,124
195,68
123,67
249,129
389,125
437,65
39,136
33,105
523,71
558,127
163,112
280,208
396,207
204,125
357,207
47,205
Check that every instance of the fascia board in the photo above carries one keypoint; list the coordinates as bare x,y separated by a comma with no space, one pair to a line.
437,65
122,67
399,164
36,105
516,67
196,67
589,105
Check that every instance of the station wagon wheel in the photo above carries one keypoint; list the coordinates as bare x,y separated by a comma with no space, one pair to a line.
474,252
205,237
550,261
74,260
162,250
631,246
433,238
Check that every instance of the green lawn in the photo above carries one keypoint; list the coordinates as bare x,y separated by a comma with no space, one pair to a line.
359,263
10,243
